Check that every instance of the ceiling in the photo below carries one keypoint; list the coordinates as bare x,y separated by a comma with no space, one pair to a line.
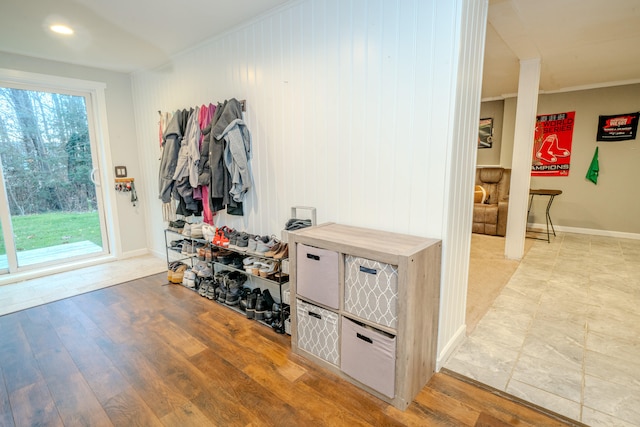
581,43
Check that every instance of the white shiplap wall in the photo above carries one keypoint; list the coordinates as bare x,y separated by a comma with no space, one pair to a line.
351,105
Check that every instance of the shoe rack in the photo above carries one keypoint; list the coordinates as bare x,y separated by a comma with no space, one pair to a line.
364,304
277,281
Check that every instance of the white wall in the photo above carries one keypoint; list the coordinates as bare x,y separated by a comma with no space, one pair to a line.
352,107
122,137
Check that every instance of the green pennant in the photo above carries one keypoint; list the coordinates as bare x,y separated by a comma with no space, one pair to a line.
594,168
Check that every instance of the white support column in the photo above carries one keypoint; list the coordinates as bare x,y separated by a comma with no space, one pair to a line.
526,109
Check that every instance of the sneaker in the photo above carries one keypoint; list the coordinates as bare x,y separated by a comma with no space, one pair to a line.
186,231
242,242
205,273
192,250
208,232
186,248
264,245
252,243
189,279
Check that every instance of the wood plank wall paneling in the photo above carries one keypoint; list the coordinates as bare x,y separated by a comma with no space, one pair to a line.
461,177
352,106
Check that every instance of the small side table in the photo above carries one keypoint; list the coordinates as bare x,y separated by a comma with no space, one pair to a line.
545,192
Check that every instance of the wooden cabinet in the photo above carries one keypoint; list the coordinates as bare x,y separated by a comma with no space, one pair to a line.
380,332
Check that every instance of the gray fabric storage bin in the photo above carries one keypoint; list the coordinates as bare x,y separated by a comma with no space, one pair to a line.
318,331
371,290
317,275
369,356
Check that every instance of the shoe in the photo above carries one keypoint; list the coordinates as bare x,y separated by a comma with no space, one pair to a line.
178,274
233,237
186,247
211,291
205,273
252,298
264,245
268,268
204,287
208,232
176,225
196,230
186,230
173,276
189,279
243,299
242,242
234,283
236,262
263,304
225,257
283,253
274,250
256,266
252,244
281,277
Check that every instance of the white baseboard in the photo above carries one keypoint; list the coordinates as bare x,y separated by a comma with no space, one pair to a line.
607,233
450,347
133,254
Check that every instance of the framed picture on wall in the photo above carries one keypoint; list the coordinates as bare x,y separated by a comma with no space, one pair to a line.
485,133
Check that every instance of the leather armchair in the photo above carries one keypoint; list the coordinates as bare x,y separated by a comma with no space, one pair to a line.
490,217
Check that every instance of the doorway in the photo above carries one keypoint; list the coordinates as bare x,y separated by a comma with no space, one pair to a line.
52,201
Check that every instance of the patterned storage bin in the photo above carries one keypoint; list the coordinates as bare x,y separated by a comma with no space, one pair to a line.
371,290
318,331
317,271
369,356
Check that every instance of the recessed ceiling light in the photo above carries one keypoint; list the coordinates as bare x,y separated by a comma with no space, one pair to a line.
61,29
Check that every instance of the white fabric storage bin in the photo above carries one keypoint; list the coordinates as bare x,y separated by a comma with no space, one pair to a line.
317,275
369,356
371,290
318,331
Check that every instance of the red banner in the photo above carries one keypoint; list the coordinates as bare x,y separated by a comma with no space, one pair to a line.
552,144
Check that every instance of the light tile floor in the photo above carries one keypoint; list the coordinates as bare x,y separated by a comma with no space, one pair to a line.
564,333
30,293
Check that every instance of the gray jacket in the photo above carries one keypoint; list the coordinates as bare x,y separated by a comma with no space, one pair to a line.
237,154
171,146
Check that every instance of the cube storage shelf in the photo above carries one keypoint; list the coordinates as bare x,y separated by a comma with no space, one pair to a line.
364,304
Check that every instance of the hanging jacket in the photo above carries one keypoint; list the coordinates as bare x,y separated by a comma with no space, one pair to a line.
189,154
169,160
218,197
237,155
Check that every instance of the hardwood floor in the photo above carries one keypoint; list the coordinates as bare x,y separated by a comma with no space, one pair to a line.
148,353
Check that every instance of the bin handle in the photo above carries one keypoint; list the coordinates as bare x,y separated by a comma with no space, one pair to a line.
313,257
316,315
368,270
364,338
